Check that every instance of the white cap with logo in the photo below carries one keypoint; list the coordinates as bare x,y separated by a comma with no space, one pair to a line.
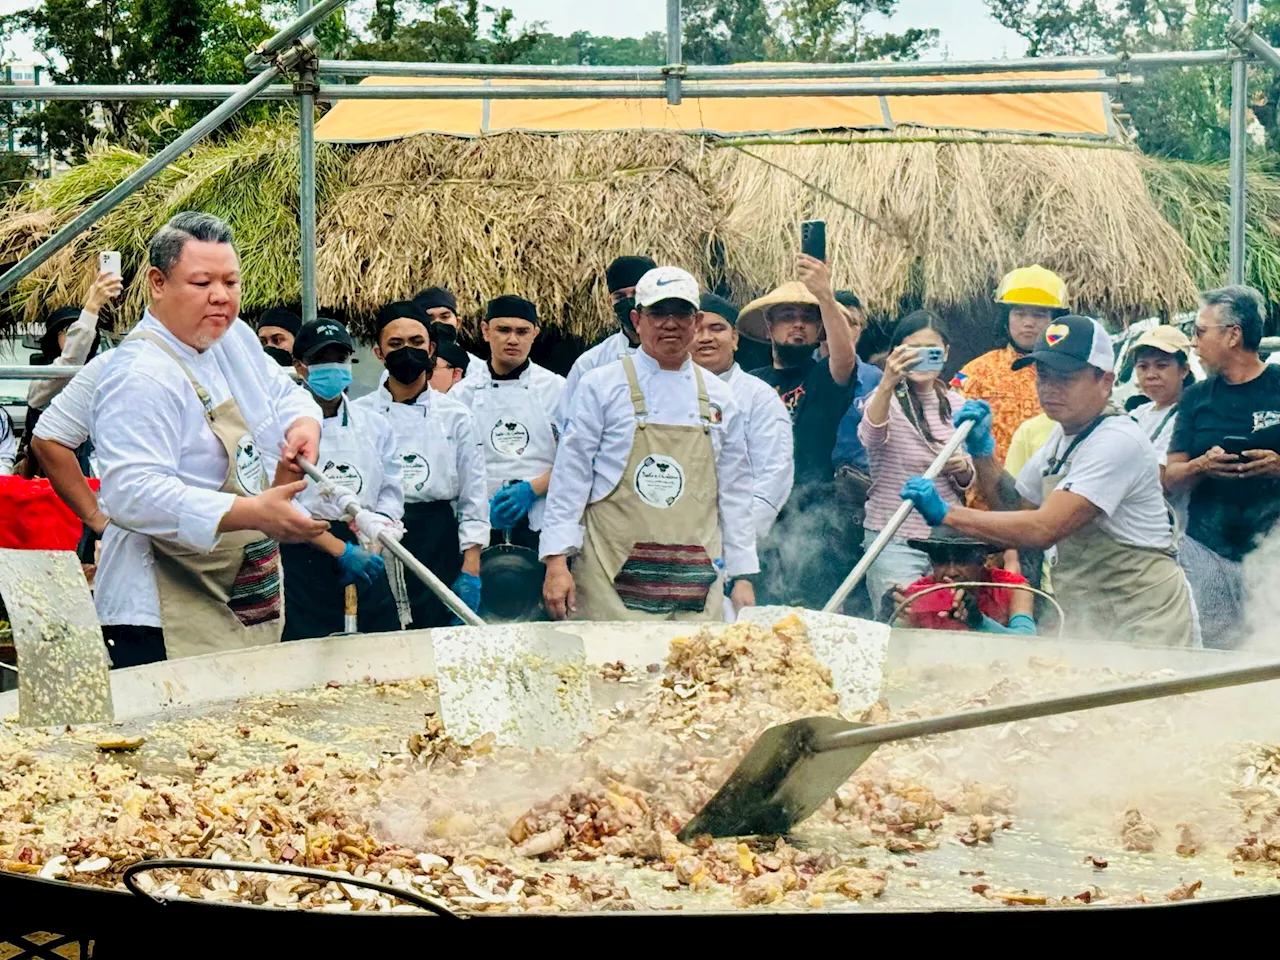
667,283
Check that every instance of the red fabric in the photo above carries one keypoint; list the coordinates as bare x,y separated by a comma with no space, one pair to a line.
926,613
33,517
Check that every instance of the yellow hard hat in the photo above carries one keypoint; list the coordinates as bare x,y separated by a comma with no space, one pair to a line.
1033,286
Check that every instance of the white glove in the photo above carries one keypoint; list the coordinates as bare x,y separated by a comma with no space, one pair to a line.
368,526
340,500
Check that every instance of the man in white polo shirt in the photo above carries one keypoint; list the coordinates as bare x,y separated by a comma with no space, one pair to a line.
651,490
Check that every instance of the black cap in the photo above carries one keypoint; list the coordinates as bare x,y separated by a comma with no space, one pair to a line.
627,271
1069,344
451,352
433,297
509,306
318,334
847,298
279,317
401,308
54,324
948,540
720,306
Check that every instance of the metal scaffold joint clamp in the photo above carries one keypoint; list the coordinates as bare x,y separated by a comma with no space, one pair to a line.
675,70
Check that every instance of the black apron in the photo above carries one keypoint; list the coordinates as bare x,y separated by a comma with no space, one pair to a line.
431,535
313,598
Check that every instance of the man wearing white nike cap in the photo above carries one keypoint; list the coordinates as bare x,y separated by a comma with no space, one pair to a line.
1093,491
651,491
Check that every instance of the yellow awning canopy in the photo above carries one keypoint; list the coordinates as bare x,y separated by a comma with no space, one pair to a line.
1065,114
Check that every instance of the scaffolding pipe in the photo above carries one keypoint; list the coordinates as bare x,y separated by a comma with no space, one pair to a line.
307,178
1137,63
119,91
291,32
43,372
1239,106
132,183
675,54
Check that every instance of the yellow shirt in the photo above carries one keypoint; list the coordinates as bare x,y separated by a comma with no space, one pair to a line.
1030,436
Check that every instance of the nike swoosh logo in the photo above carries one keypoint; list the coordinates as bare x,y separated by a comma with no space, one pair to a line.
665,283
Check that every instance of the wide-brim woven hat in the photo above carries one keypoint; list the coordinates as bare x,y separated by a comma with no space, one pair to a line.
752,321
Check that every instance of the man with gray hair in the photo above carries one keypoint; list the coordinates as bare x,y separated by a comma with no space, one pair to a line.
183,415
1224,450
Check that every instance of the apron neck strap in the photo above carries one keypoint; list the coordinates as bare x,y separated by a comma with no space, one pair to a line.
637,397
704,401
205,399
1057,463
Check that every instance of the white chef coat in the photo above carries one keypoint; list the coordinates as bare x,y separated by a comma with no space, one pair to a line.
161,465
358,455
440,455
66,420
611,348
597,439
770,445
518,425
80,337
8,443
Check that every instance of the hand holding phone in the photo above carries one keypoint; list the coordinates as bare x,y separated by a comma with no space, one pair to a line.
931,359
1235,445
109,262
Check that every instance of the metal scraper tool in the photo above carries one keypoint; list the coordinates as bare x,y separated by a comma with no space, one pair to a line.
63,667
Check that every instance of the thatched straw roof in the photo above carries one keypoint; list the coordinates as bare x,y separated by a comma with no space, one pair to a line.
916,217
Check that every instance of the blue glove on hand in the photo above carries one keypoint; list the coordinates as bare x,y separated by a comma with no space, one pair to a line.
467,587
928,501
510,504
357,565
980,443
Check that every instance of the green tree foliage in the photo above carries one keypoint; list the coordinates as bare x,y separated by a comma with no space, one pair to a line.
440,31
14,171
581,47
135,41
1182,113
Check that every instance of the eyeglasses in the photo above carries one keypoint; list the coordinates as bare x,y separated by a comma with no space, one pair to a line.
1198,331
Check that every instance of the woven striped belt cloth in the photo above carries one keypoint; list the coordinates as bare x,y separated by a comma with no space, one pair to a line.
665,578
255,594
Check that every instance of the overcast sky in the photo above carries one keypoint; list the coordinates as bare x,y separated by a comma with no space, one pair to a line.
968,33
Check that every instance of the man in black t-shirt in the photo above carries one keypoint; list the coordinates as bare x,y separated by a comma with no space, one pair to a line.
796,559
1226,450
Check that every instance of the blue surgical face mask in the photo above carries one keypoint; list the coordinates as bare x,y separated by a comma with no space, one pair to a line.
328,380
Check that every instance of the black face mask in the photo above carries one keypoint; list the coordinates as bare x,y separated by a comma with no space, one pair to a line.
622,310
282,357
408,363
442,332
794,354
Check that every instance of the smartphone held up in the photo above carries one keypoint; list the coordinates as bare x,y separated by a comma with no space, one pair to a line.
109,262
813,239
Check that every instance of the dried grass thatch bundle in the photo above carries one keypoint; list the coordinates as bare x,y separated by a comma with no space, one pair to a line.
533,215
939,222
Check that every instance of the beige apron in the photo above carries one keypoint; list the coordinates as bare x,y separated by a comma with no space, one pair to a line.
1117,591
650,545
230,597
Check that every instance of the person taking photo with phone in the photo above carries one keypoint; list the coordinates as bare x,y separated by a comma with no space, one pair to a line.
1224,451
905,422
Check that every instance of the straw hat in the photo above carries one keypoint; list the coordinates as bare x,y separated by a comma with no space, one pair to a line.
1166,339
751,319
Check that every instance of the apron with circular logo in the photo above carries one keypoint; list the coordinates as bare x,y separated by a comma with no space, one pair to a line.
230,597
518,435
649,545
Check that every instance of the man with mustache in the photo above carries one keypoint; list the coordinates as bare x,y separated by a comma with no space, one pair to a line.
183,415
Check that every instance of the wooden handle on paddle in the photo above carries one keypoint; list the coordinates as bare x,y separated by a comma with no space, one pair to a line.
349,600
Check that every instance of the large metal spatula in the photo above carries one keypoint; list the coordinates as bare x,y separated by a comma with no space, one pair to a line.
795,767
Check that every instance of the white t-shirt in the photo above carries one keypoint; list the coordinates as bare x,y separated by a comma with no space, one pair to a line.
1116,469
1158,422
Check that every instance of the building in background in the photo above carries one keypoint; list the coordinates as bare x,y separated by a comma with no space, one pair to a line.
17,135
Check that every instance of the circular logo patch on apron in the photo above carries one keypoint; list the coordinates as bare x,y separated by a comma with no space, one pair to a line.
416,472
659,481
509,437
345,476
250,473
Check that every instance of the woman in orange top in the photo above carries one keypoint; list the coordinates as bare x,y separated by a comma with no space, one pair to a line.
1033,297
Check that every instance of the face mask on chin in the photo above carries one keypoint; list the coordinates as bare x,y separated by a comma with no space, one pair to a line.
442,332
794,354
407,364
622,310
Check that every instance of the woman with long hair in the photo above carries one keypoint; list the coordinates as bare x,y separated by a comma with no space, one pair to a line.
905,423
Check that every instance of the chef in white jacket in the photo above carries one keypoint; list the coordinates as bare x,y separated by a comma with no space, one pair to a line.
514,402
358,456
651,490
622,276
766,423
190,560
446,510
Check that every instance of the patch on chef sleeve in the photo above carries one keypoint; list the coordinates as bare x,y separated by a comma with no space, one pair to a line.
509,437
717,415
659,481
416,472
250,473
345,476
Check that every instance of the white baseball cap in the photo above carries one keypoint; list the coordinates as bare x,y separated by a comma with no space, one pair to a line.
667,283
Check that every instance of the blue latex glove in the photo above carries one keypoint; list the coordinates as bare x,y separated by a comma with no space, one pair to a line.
980,443
467,587
357,565
928,501
511,504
